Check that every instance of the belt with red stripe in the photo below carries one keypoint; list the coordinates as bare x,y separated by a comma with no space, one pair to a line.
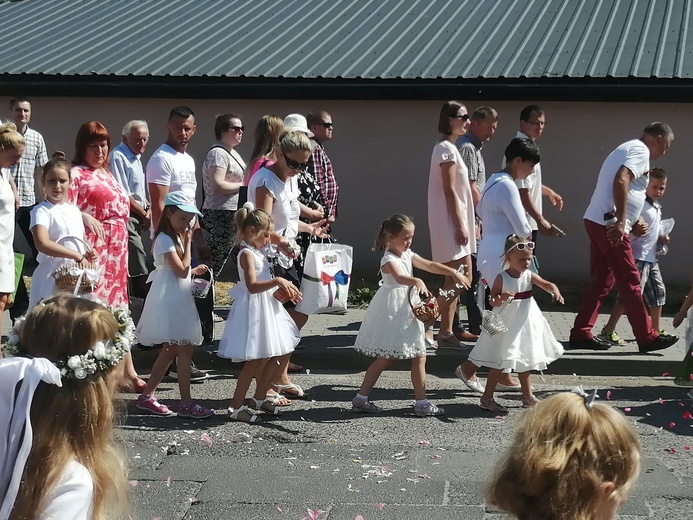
525,295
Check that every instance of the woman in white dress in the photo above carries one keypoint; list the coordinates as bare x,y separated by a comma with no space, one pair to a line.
450,211
11,150
502,214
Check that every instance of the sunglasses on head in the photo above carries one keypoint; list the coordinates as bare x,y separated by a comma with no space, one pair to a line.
463,117
295,165
521,246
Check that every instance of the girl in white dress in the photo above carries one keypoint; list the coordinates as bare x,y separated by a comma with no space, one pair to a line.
53,222
169,315
390,330
59,456
528,344
258,330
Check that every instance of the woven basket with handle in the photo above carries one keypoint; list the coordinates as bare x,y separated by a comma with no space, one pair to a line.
72,277
425,310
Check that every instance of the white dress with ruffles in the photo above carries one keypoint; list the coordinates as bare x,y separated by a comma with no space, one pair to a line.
258,326
389,329
528,344
169,314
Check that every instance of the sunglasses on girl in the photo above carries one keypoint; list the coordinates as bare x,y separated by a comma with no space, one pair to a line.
295,165
521,246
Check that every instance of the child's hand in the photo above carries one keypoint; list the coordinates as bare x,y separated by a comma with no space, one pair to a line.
421,287
294,294
461,281
663,240
199,270
505,297
640,228
557,296
678,319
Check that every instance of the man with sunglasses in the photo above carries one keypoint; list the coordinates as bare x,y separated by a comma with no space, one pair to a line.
319,164
616,204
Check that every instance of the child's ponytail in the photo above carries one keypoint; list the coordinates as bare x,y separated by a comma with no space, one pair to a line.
250,217
391,227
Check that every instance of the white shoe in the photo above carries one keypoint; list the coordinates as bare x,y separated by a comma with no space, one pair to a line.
474,386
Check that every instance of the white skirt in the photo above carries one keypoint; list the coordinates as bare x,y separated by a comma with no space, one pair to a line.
169,314
258,327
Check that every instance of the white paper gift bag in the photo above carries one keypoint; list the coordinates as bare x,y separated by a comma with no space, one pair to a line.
326,277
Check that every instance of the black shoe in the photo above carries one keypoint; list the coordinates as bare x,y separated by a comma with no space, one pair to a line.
588,344
196,375
659,343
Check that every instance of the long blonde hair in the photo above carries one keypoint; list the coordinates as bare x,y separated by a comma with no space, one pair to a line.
266,144
75,421
561,454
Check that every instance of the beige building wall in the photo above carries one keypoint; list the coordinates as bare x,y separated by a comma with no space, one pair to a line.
381,153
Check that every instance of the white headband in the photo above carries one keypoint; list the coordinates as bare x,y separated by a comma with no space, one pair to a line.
19,378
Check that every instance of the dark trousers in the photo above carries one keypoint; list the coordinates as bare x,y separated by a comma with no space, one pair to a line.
469,298
20,306
612,265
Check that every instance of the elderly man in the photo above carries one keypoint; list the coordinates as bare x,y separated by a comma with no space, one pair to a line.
126,166
615,206
482,126
26,175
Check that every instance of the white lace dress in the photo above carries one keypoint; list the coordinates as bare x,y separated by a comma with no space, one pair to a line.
528,344
169,314
258,326
389,329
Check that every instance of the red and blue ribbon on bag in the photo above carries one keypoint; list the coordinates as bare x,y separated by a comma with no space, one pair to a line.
339,278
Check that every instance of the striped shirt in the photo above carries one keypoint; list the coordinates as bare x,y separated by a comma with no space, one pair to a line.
24,172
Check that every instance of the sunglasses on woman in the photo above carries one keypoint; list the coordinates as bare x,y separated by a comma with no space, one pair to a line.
295,165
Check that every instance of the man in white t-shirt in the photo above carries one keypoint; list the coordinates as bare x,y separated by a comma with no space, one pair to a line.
616,202
171,168
532,124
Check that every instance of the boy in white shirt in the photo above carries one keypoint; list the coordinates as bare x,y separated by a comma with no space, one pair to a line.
644,252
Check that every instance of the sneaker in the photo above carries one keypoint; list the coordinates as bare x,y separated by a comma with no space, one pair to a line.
588,344
659,343
196,375
611,337
365,406
427,410
194,411
474,386
148,403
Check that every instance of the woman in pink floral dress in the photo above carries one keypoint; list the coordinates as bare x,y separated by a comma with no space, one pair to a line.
96,192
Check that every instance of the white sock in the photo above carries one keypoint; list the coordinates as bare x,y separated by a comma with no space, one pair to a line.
422,402
361,397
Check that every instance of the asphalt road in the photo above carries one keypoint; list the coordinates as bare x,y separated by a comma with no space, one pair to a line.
320,456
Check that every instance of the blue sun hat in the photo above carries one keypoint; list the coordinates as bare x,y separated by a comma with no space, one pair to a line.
181,201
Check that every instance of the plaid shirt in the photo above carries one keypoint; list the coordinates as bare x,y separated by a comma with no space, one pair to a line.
24,172
470,151
321,168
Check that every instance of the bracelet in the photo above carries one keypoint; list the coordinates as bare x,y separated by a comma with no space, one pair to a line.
83,257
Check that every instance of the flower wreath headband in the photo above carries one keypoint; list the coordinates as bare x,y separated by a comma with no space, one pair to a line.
100,358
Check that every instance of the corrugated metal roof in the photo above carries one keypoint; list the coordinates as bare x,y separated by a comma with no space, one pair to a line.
369,39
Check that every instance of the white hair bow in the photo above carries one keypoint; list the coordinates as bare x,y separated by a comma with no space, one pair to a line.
588,398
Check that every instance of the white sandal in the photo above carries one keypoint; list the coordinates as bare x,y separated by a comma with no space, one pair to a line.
265,405
234,414
299,393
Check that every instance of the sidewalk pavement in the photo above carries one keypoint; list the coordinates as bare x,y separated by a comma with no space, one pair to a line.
328,340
